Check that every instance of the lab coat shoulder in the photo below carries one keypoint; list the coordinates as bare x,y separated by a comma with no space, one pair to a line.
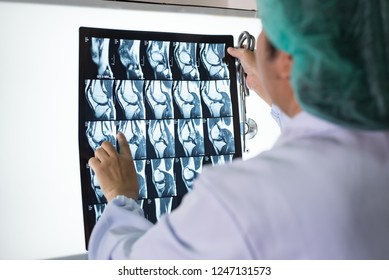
259,196
224,217
302,199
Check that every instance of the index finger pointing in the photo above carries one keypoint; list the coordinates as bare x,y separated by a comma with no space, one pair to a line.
124,149
107,148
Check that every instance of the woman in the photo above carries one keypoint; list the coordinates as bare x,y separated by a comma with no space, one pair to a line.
321,192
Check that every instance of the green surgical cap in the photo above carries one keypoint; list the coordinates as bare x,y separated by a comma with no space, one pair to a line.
340,51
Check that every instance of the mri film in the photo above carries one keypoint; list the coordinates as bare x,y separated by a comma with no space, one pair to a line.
191,136
212,57
95,211
99,132
140,166
100,99
173,96
190,168
98,208
185,55
161,137
159,98
158,57
135,132
163,177
221,135
163,206
129,94
187,97
95,184
129,55
221,160
99,52
217,97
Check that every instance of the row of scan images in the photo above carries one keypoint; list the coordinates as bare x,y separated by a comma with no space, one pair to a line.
160,60
161,178
153,208
138,99
167,138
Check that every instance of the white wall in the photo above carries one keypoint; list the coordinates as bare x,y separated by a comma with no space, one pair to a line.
40,192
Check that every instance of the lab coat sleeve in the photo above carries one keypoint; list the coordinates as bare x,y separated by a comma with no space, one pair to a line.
200,228
120,225
192,231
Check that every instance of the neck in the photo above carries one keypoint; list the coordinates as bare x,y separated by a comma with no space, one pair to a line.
293,109
289,106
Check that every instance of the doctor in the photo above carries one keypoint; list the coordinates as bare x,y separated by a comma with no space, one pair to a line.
321,192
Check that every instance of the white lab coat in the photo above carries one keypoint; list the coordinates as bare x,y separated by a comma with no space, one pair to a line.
322,192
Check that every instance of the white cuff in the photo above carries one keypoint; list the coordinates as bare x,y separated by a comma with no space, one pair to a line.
128,204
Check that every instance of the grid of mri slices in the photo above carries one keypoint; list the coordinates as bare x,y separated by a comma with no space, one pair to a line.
172,101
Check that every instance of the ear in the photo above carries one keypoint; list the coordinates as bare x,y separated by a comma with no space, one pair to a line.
283,65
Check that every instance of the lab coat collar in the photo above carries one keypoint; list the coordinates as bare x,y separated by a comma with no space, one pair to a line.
303,125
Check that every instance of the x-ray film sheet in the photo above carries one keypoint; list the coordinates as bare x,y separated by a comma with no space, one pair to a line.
174,96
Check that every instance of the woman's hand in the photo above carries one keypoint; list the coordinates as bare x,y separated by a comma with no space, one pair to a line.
248,62
115,171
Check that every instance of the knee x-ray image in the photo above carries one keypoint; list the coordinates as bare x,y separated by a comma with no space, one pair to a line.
187,97
221,160
161,136
135,132
173,96
140,166
129,95
163,177
100,98
216,95
190,169
191,136
221,135
164,183
159,97
97,210
163,206
158,57
129,56
185,55
99,51
95,184
99,132
212,56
